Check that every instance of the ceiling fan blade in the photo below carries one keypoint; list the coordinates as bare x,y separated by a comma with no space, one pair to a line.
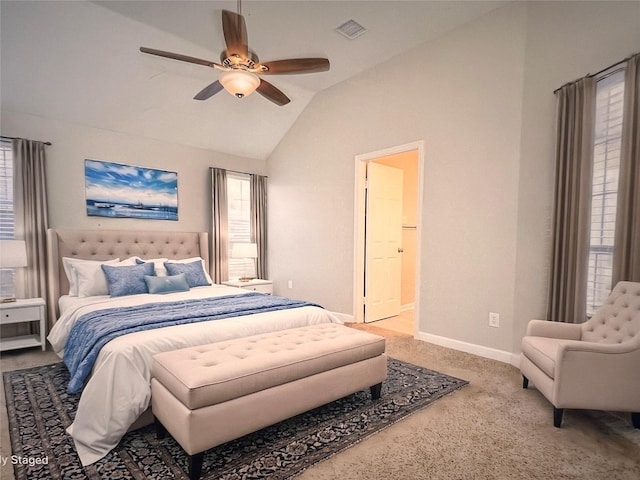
296,65
209,91
182,58
235,34
270,92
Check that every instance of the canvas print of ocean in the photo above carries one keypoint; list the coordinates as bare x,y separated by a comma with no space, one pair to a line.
116,190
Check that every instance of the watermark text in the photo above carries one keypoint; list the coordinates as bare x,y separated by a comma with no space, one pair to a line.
20,460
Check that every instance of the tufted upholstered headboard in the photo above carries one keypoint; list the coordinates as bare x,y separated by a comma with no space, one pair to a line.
106,244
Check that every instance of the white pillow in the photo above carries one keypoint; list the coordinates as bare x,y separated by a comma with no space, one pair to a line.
69,263
158,265
129,261
91,278
193,259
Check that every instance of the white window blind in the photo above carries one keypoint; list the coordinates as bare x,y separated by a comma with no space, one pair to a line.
606,168
239,204
7,221
7,217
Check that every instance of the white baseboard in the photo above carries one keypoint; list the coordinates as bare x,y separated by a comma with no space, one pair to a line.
480,350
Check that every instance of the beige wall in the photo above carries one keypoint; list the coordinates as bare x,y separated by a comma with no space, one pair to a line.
470,127
481,99
72,144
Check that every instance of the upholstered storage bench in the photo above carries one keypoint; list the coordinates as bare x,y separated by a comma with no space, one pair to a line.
211,394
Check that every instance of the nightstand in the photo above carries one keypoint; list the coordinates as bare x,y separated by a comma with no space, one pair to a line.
28,310
257,285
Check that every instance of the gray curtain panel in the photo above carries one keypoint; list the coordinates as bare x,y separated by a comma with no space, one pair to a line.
32,221
259,222
626,255
219,267
571,212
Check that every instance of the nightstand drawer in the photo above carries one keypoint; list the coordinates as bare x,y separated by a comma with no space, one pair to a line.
268,289
24,314
256,285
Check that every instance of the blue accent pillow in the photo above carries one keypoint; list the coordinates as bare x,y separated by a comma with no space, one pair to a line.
167,284
193,271
127,280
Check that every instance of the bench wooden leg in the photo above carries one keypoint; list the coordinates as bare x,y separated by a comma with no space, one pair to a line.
376,391
161,432
195,465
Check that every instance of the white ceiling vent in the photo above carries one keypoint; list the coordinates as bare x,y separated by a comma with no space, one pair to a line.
351,29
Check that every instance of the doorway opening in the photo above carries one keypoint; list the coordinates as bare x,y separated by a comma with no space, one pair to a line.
369,261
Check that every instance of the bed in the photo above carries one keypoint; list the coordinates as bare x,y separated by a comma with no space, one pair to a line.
116,394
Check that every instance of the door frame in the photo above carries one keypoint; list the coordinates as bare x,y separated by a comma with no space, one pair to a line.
359,223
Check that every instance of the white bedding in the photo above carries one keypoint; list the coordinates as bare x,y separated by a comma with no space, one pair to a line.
119,391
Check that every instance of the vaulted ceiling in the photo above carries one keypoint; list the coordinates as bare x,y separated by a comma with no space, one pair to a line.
79,61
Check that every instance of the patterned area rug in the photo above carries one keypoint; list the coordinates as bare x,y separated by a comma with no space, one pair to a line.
40,410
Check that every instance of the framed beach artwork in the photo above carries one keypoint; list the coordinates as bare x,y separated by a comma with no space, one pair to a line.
116,190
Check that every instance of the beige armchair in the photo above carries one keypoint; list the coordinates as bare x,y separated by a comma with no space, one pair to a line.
594,365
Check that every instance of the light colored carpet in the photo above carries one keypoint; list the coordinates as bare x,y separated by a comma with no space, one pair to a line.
490,429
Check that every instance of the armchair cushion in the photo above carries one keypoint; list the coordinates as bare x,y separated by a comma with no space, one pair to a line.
543,352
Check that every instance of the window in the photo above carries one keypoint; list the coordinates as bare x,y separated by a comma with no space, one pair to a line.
7,225
239,204
606,167
7,217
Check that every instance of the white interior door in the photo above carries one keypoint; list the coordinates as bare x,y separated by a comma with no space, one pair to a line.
383,242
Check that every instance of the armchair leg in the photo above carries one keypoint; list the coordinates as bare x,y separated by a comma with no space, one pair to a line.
525,382
557,416
635,419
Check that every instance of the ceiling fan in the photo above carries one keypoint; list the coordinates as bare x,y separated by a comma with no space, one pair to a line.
241,67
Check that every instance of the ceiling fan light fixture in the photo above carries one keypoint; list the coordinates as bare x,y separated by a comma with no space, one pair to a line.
239,83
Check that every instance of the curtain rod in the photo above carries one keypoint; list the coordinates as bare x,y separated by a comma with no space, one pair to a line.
238,171
591,75
19,138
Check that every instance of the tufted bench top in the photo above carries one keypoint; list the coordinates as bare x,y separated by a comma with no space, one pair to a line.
218,372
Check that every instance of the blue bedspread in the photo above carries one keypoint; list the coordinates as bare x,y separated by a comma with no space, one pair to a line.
93,330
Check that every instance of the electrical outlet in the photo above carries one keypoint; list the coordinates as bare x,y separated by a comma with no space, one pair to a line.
290,284
494,319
